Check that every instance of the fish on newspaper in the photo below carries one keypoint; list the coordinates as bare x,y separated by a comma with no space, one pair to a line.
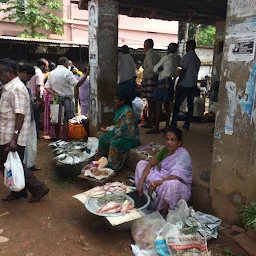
111,207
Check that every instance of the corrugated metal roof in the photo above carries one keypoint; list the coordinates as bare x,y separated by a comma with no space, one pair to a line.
36,40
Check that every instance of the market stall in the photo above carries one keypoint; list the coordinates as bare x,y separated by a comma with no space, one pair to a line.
115,201
71,157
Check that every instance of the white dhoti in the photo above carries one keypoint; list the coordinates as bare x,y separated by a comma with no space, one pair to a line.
31,148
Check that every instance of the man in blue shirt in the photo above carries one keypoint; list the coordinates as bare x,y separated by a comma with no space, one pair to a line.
190,65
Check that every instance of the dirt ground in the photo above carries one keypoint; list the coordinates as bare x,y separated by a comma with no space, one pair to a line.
61,226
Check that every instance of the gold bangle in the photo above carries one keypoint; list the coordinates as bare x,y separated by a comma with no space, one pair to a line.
153,184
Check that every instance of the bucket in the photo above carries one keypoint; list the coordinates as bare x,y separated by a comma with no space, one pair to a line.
77,131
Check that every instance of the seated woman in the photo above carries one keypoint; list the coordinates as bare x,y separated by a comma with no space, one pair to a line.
172,181
116,144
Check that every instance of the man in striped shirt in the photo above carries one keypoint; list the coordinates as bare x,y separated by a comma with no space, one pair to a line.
14,127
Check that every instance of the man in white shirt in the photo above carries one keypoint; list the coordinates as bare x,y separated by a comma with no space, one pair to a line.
149,80
36,85
126,65
199,107
190,65
126,73
61,83
138,106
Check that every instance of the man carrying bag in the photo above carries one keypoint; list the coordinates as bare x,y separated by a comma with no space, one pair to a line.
14,127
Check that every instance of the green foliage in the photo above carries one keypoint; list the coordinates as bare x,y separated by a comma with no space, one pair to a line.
228,252
248,215
206,35
35,16
192,31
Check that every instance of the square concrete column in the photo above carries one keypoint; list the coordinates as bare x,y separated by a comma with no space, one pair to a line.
103,58
233,176
218,51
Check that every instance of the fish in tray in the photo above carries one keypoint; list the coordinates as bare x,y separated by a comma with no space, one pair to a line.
60,157
111,207
115,207
116,187
127,206
96,192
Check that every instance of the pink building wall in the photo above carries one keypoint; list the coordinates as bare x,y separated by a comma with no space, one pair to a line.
132,31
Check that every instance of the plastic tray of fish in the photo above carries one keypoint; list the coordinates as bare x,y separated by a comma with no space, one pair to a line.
93,205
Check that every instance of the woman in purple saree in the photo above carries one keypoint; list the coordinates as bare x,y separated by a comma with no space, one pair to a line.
172,181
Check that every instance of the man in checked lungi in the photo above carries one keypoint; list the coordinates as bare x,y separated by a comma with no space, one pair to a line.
149,80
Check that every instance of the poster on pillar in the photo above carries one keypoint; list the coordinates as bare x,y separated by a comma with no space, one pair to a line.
246,99
93,15
94,110
231,91
93,25
93,81
93,52
242,47
241,8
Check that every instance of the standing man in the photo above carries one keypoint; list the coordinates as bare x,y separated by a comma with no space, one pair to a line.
14,127
25,72
61,83
126,73
149,80
36,85
190,65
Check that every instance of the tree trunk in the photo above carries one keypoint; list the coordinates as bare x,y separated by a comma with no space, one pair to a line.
33,31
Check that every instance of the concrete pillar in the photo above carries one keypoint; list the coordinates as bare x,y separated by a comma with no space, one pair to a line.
218,52
182,37
103,41
234,166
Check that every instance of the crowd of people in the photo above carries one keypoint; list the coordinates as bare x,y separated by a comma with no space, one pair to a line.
169,82
143,91
26,93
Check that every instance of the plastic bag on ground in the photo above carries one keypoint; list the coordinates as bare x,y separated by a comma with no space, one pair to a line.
169,229
138,252
144,230
179,214
14,178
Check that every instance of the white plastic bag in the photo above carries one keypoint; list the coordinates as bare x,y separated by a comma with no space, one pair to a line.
138,252
54,113
14,178
179,214
144,230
